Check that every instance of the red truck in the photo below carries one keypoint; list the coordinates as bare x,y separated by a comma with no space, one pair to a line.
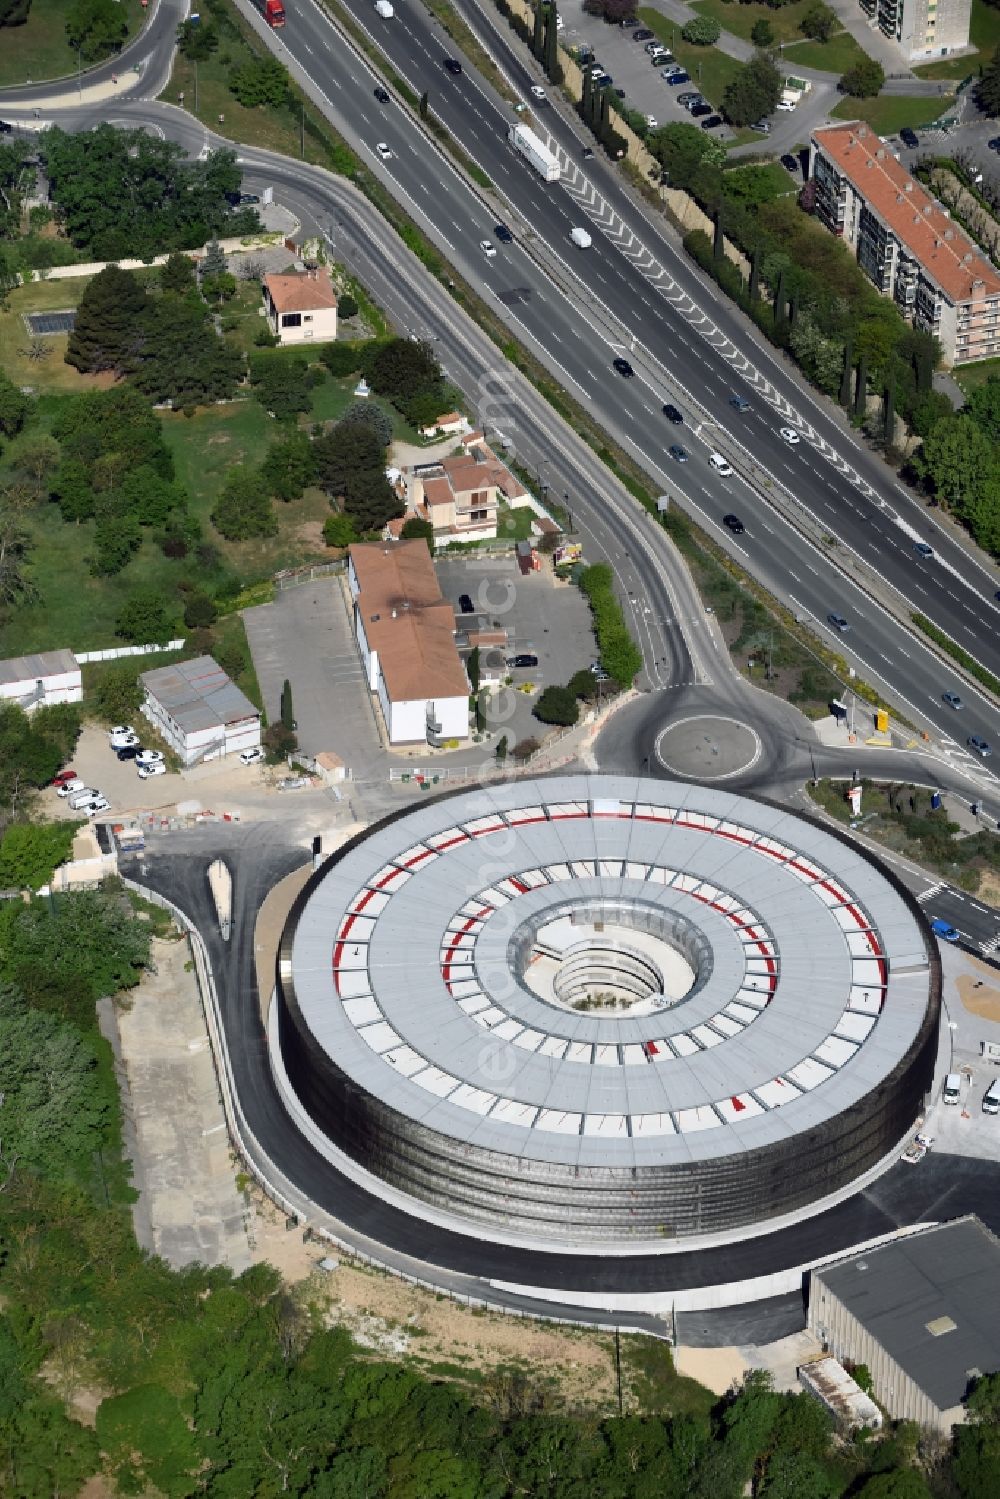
273,12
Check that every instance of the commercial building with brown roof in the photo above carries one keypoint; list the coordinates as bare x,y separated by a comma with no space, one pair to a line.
406,636
906,243
301,307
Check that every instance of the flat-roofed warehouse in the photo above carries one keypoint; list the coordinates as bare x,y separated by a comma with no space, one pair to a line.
199,710
922,1314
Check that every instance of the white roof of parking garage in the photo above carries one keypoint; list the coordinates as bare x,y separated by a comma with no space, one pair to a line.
817,986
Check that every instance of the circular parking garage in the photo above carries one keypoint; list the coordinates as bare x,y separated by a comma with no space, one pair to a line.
591,1010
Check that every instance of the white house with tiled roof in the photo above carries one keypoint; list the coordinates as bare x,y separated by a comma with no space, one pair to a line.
301,307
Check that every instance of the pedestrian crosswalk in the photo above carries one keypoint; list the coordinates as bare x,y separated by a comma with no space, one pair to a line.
930,892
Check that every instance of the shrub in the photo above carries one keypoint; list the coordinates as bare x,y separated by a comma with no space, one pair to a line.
702,31
557,705
347,306
338,530
200,612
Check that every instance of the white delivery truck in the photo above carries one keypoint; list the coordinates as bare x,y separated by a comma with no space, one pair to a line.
581,237
384,9
534,149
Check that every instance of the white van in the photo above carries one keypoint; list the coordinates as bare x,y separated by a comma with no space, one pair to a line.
720,464
80,798
384,9
952,1090
581,238
991,1098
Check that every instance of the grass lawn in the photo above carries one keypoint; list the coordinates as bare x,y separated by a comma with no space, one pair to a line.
888,113
39,50
778,182
984,34
515,525
835,56
710,69
971,376
741,19
51,373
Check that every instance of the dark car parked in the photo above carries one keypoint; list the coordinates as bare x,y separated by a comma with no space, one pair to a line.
524,659
909,137
465,604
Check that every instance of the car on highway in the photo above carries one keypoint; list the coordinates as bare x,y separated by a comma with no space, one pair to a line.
944,930
838,622
537,92
382,151
623,367
672,414
678,78
5,127
465,604
452,65
588,152
382,95
524,658
678,453
739,403
953,700
994,143
488,248
720,464
978,746
909,137
790,162
734,523
789,435
62,777
154,768
503,234
642,35
923,549
252,756
712,123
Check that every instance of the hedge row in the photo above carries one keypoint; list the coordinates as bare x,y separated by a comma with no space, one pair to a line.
967,662
620,656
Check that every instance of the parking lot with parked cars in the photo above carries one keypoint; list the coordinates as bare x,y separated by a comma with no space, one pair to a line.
549,635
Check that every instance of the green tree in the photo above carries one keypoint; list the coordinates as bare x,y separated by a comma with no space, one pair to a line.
342,358
182,360
983,406
845,381
818,22
117,539
14,407
279,381
538,32
117,421
502,746
289,467
557,705
988,88
398,367
681,149
149,1441
178,274
243,509
703,31
145,618
29,852
797,1475
14,12
118,693
753,92
107,332
414,529
96,28
350,449
958,461
861,387
370,500
31,751
864,80
72,492
339,530
473,668
553,68
43,1452
213,262
65,959
55,1108
762,35
347,306
423,108
370,414
287,711
200,611
197,40
905,1484
260,81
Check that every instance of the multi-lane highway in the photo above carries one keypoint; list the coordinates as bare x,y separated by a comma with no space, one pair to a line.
629,294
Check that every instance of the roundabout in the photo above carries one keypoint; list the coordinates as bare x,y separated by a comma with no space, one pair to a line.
708,748
598,1014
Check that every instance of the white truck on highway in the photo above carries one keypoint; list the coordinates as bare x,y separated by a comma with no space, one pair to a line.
533,149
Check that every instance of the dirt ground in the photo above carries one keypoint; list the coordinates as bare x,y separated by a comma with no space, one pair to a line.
395,1319
715,1368
985,1001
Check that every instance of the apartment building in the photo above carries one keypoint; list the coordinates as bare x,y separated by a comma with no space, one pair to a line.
459,495
906,243
922,29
